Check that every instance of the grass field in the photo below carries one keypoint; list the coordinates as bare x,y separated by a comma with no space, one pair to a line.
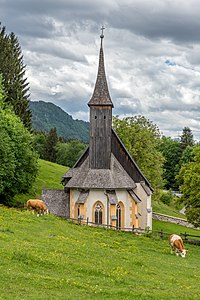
50,258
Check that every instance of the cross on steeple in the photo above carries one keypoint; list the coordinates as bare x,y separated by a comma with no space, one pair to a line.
102,29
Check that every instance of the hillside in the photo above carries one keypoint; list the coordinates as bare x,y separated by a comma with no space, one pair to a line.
46,115
49,176
51,258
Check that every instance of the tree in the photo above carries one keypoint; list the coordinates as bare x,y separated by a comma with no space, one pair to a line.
172,153
186,138
39,143
189,179
12,69
18,161
187,155
50,150
68,153
141,138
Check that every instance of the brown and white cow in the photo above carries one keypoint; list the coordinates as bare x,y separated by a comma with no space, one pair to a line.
176,244
37,205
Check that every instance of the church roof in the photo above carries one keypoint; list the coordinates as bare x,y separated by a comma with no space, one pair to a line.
124,172
101,94
85,178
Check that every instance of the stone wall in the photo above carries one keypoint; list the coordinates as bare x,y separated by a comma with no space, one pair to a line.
57,202
165,218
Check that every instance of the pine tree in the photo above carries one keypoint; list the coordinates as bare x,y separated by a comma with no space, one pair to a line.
12,69
186,138
52,140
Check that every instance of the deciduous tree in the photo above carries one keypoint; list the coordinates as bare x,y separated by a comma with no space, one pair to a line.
172,153
189,179
18,161
68,153
141,138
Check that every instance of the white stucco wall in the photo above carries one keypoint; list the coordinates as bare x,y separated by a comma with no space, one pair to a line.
122,196
146,217
94,196
75,193
149,215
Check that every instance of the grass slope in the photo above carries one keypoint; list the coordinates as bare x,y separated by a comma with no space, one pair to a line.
49,176
162,208
50,258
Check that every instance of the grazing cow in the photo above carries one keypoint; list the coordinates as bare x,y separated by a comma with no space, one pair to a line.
176,244
37,205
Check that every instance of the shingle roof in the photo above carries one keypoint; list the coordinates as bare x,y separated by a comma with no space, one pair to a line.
146,188
112,197
109,177
134,196
101,94
82,197
86,178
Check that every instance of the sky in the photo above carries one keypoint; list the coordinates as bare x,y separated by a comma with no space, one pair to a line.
151,52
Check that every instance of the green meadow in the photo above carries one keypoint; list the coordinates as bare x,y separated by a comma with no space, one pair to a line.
50,258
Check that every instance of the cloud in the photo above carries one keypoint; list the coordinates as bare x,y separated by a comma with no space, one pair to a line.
151,52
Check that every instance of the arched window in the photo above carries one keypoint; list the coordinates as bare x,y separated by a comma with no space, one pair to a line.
119,216
98,211
78,210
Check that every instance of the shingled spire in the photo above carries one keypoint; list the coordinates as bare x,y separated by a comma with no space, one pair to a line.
100,119
101,94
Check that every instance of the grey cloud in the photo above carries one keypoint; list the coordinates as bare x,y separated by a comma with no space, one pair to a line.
160,19
60,43
56,49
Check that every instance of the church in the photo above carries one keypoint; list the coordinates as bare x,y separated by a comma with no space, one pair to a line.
105,186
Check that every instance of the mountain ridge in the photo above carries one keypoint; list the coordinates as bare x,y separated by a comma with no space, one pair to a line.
47,115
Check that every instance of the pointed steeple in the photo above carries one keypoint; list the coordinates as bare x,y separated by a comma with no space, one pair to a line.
101,94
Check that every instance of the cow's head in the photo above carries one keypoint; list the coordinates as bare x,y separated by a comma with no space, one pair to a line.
183,253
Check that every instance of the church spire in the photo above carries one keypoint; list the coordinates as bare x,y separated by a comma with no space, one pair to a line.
101,94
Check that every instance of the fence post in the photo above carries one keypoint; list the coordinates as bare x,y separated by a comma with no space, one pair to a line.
87,220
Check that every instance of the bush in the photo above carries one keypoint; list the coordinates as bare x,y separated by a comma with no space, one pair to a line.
193,216
166,197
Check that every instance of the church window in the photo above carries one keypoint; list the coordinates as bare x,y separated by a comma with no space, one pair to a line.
119,216
98,213
78,210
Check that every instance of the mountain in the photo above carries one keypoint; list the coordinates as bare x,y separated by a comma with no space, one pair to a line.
46,115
